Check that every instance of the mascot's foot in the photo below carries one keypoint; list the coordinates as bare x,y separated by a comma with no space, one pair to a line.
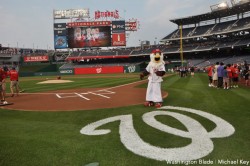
158,105
148,104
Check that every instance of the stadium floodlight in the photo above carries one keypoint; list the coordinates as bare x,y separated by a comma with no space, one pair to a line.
221,6
239,2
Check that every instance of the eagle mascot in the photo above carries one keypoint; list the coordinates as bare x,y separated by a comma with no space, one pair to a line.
155,71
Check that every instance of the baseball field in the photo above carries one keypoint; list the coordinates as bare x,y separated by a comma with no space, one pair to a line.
100,120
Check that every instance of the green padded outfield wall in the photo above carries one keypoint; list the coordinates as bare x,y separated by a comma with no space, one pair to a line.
44,70
132,69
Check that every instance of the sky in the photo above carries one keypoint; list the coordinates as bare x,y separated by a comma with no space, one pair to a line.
29,23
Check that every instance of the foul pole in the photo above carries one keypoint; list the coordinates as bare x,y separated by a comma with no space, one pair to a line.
181,45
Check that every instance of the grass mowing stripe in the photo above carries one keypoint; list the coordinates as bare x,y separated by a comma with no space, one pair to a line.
53,138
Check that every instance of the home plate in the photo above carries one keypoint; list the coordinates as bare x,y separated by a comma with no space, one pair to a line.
1,104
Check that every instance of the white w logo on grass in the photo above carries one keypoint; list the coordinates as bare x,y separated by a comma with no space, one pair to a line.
201,144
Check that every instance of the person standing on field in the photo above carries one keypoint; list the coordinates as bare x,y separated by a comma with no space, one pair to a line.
13,81
236,72
220,75
215,75
2,81
246,73
4,77
192,71
230,74
225,78
210,75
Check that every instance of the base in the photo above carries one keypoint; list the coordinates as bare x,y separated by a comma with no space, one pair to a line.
1,104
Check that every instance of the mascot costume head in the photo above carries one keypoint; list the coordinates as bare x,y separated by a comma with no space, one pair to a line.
155,70
156,58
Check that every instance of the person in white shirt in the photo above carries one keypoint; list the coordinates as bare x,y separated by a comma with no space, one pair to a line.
215,75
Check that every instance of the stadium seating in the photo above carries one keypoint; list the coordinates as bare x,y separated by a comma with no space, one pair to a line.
222,36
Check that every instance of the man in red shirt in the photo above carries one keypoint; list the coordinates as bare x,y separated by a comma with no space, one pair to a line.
210,75
13,81
236,72
230,74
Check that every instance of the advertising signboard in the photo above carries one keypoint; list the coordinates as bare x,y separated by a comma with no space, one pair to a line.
107,14
131,26
118,33
42,58
118,26
88,24
66,71
99,70
71,13
119,39
60,29
60,42
60,35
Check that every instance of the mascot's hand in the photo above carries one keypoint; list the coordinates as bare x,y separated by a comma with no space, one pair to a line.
141,76
160,73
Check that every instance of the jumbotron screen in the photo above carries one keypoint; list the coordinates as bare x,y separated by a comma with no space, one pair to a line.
94,36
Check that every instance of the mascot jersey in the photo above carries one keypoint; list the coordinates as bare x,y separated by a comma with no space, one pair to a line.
152,69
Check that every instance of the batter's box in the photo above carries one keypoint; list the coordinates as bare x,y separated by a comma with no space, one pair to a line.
101,93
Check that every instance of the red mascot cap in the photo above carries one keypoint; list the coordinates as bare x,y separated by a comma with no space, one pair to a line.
156,51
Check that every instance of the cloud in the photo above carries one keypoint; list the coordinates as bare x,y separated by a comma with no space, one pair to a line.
33,22
158,18
160,12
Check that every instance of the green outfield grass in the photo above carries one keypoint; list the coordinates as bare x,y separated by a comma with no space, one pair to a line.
54,138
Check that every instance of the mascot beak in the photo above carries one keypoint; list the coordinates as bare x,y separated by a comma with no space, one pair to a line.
157,57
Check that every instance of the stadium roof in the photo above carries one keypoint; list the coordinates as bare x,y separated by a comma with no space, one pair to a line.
237,9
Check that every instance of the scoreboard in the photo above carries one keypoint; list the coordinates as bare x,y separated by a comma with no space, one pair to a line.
89,34
83,33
